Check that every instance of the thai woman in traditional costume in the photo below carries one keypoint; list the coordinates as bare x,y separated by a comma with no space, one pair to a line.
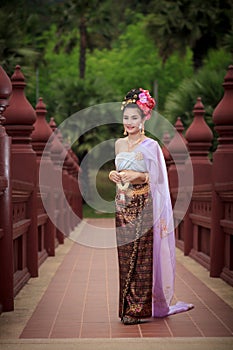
144,218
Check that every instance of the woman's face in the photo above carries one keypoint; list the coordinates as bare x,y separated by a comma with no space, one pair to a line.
132,120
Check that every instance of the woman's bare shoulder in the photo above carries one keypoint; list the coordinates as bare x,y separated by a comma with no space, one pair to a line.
120,141
120,144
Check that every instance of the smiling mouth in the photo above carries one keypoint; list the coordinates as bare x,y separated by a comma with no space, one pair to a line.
130,127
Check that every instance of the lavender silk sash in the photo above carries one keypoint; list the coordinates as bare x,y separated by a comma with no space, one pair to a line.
163,227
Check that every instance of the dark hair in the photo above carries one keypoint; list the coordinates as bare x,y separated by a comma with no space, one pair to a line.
142,99
133,95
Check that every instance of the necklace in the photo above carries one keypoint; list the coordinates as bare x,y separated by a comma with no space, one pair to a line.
130,145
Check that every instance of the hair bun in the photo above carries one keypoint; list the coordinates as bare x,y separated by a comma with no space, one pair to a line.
142,99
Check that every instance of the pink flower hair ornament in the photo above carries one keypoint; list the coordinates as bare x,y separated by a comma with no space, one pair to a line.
142,99
146,103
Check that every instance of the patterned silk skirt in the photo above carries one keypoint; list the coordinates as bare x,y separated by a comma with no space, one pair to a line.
134,219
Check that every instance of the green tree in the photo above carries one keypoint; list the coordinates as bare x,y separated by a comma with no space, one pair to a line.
22,23
134,62
14,48
94,29
207,83
198,24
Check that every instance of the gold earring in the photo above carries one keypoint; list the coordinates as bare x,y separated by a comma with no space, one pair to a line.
142,130
125,132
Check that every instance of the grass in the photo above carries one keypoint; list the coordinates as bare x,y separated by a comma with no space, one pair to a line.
89,212
106,190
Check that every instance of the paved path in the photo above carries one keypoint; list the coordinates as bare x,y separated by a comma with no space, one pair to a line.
76,297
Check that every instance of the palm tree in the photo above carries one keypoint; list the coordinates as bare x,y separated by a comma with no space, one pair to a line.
95,28
201,25
13,49
21,25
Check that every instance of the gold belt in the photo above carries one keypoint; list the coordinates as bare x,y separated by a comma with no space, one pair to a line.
141,190
130,191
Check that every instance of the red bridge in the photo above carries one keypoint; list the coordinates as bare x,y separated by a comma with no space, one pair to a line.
28,236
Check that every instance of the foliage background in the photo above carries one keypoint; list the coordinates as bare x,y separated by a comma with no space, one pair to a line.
77,53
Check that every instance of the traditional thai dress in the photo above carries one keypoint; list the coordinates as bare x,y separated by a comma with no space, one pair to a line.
145,236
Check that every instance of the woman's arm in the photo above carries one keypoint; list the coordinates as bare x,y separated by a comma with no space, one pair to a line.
131,176
114,176
135,177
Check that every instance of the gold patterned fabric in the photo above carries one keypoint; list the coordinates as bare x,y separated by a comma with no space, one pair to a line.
134,219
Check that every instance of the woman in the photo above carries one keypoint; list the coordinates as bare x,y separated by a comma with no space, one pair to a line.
144,221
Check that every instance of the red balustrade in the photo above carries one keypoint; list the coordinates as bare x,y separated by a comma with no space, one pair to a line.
166,153
199,137
20,117
27,143
6,229
46,229
178,154
222,180
206,231
57,150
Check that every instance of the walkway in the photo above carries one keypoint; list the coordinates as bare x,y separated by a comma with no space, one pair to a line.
76,297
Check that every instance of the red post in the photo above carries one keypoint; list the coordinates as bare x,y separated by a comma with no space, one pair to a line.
56,156
222,216
6,229
76,169
20,117
199,137
71,183
178,155
40,137
67,185
166,153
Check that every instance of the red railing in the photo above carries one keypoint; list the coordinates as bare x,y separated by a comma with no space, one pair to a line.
27,233
206,231
6,232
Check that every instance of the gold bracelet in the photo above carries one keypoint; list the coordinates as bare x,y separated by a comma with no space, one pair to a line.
146,178
109,175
